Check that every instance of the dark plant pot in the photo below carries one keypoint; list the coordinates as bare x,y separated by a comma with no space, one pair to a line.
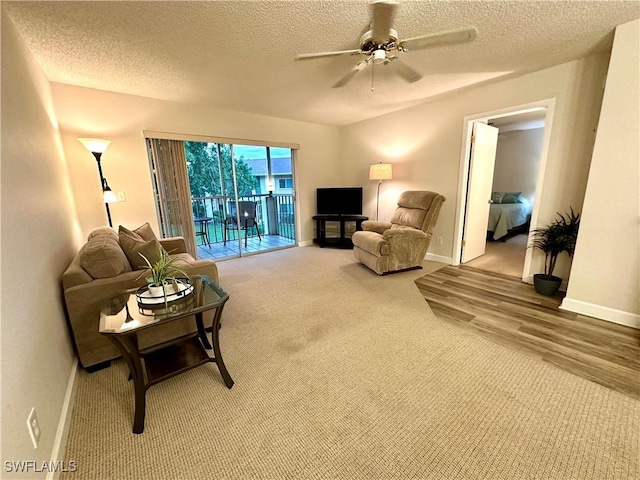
546,284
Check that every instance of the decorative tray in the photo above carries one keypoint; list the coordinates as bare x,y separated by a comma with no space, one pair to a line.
176,291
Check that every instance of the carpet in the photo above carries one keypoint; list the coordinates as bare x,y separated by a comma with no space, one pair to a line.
344,374
503,257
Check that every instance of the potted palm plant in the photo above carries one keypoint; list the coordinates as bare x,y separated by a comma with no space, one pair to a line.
557,237
162,272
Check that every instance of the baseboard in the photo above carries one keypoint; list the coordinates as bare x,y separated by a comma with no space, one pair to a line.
439,258
60,442
306,243
604,313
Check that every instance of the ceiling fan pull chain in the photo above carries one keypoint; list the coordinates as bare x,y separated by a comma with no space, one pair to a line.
373,67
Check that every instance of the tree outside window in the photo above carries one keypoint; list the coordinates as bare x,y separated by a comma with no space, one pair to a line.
203,167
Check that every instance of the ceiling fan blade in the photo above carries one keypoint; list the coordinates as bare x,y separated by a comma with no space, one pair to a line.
382,14
406,72
437,39
308,56
350,74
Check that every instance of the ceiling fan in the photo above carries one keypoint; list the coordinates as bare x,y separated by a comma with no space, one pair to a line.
380,43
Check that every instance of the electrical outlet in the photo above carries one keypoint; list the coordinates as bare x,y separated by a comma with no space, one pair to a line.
34,427
120,197
438,240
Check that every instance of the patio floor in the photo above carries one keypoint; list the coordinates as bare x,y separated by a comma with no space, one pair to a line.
254,245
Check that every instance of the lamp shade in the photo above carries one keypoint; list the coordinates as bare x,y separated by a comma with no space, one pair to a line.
380,171
109,196
94,145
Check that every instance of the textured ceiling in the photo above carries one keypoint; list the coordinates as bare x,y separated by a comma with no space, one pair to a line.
239,55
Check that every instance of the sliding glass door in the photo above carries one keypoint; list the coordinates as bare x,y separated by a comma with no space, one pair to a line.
242,198
265,213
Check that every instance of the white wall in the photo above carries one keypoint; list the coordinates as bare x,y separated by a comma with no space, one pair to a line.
517,160
39,238
605,276
123,118
424,143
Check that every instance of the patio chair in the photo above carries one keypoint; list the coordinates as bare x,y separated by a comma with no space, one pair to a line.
248,219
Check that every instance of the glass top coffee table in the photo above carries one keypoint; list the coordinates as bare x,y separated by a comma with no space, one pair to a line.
133,311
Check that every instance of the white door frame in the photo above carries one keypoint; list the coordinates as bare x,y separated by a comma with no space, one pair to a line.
549,106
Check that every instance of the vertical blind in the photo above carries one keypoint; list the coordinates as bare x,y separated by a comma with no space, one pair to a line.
169,164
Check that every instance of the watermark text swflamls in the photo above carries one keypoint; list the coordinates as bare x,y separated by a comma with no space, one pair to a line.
27,466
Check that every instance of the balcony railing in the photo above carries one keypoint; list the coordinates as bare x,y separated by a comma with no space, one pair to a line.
274,214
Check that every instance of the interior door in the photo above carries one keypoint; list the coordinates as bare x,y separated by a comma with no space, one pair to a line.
484,141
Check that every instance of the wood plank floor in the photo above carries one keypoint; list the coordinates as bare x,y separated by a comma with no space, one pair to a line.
506,311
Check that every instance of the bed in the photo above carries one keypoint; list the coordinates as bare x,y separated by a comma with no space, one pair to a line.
508,216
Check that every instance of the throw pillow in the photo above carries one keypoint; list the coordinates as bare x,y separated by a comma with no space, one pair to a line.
511,197
133,245
496,197
102,257
146,232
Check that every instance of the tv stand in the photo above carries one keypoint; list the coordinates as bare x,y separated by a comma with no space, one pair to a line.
342,241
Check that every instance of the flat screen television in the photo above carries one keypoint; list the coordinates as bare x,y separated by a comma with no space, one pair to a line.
339,201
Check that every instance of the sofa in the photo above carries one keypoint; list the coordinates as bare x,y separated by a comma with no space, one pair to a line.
109,263
402,243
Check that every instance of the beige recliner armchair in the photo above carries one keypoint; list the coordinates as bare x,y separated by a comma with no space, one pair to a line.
401,244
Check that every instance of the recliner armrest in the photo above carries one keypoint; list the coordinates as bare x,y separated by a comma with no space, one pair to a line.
405,233
375,226
174,245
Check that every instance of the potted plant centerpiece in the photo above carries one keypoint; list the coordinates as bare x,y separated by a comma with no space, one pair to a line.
162,273
557,237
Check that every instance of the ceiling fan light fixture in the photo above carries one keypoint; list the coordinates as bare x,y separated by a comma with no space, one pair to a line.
379,56
381,39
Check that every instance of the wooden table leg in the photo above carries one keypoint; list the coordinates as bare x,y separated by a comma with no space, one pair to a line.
201,331
228,381
128,346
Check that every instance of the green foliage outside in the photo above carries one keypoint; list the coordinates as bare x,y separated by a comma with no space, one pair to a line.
203,168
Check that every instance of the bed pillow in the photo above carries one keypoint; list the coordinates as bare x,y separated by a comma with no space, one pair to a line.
511,197
496,197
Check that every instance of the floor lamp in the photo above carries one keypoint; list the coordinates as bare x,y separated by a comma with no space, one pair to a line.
97,147
379,172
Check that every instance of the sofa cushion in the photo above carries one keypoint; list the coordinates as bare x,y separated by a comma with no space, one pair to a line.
102,257
135,245
97,232
184,260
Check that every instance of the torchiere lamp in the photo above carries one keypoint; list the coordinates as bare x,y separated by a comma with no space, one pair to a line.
97,147
379,171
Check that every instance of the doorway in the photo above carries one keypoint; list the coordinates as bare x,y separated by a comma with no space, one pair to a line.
516,170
